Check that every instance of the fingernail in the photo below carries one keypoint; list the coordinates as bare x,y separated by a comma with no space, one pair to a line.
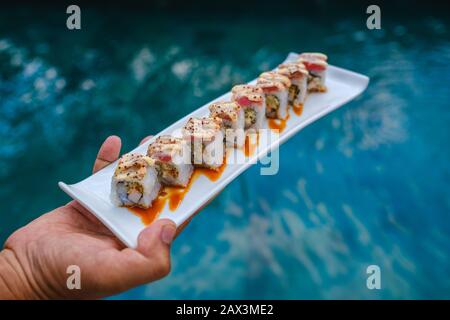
168,233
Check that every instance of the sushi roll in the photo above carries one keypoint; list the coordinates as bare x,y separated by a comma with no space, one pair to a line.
276,89
135,181
172,160
233,119
297,73
205,136
251,99
316,64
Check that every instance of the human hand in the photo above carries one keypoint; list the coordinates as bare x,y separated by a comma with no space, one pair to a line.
34,262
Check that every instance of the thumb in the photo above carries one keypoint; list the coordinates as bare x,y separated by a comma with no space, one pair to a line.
154,243
150,261
159,234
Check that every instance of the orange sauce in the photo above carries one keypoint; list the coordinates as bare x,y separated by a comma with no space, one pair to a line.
150,214
250,144
212,175
298,109
174,195
278,124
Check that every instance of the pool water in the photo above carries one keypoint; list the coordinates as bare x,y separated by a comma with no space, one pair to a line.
366,185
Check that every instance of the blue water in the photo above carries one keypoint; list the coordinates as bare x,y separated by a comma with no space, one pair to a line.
368,184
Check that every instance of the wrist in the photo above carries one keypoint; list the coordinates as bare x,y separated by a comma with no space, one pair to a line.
13,280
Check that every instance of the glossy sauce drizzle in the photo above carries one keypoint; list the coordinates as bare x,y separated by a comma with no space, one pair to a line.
298,109
174,195
278,124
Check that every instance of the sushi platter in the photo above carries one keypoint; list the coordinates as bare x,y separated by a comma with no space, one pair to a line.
178,171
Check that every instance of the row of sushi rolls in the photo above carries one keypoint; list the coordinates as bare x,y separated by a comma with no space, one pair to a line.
170,160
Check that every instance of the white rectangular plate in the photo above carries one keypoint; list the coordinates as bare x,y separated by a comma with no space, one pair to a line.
93,192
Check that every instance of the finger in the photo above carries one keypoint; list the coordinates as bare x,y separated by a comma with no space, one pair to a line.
145,139
108,153
154,244
153,259
150,261
159,234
